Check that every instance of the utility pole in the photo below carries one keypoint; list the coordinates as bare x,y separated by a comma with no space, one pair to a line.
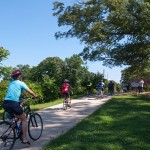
107,76
103,73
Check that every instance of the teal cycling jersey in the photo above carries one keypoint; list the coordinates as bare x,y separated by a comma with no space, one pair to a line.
100,85
14,90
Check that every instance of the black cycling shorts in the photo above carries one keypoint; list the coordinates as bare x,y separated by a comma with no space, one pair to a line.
101,89
12,106
66,95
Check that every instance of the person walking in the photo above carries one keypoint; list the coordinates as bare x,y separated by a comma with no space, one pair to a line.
141,84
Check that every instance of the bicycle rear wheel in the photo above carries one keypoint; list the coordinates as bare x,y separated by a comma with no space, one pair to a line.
7,116
65,104
35,126
7,136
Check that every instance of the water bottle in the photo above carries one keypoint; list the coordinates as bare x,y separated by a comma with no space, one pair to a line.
10,115
20,127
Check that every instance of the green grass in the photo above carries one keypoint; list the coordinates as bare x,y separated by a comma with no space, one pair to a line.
123,123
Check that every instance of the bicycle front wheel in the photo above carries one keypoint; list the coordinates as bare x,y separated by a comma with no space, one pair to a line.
7,136
65,103
35,126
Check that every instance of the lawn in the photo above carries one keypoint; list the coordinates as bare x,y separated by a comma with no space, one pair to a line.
123,123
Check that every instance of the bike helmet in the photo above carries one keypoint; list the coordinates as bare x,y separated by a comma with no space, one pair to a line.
66,80
15,73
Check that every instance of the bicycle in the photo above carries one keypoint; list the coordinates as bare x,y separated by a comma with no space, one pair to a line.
10,130
66,102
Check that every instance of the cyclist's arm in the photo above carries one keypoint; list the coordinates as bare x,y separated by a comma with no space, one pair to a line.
70,89
31,92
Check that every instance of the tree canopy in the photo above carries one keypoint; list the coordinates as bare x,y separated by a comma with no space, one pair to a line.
116,32
3,55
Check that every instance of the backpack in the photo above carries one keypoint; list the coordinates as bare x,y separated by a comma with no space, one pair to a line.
65,88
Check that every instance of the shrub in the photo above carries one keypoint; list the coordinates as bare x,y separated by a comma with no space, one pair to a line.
3,88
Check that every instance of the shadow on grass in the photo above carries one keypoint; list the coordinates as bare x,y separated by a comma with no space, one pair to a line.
121,124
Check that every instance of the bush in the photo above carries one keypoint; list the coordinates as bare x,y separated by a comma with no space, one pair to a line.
79,91
3,88
33,86
37,89
147,87
50,90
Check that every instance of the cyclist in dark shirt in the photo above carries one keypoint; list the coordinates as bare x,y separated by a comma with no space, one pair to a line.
111,88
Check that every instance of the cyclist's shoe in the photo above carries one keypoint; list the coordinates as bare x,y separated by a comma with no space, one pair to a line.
26,142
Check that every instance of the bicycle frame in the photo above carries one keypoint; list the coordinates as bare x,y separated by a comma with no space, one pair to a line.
13,132
13,126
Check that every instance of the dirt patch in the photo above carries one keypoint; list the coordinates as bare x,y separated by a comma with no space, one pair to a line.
146,93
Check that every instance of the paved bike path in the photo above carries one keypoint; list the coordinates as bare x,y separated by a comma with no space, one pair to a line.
57,121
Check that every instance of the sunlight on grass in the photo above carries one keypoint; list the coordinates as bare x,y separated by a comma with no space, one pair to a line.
123,123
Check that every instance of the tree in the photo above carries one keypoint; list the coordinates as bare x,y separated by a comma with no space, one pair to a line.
52,67
6,72
130,74
116,32
74,70
26,71
3,55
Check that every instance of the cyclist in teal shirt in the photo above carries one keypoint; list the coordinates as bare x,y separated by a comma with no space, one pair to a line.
15,89
11,101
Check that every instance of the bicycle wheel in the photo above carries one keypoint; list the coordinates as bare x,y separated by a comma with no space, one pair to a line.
69,104
7,136
7,116
35,126
65,104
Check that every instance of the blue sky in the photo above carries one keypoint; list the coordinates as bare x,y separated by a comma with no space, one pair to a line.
27,30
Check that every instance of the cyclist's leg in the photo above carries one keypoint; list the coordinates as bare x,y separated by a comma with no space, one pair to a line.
102,92
24,126
65,101
68,99
65,97
18,111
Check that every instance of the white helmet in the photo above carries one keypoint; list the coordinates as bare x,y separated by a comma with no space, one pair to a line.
66,80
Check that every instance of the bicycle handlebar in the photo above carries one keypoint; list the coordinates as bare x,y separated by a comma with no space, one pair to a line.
26,99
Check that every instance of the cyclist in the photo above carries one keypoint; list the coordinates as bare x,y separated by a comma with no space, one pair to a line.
100,88
111,88
11,101
66,88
